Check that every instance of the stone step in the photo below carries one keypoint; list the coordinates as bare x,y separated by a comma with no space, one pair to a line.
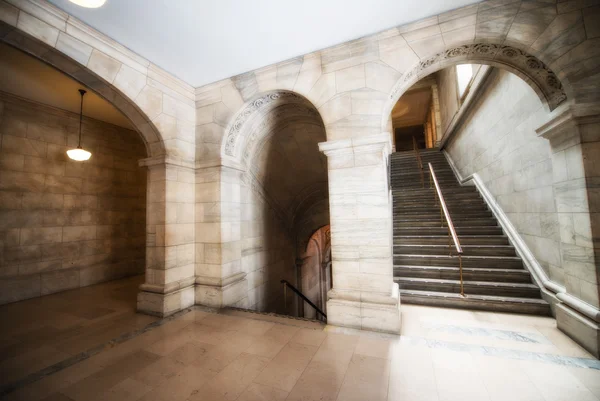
502,262
469,273
443,239
417,207
431,192
476,302
468,250
435,222
433,203
435,214
520,290
474,230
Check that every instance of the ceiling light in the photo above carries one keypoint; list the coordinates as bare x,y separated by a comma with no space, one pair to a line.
79,154
89,3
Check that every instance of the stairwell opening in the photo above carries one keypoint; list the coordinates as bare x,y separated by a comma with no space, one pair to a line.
426,266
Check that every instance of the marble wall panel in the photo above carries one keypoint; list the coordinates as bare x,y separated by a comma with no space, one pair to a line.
53,230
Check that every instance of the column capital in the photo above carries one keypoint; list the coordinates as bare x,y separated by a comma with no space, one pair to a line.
564,123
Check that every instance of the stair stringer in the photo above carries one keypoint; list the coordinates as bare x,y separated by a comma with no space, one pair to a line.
548,288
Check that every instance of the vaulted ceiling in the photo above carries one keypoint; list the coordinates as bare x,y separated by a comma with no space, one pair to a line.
205,41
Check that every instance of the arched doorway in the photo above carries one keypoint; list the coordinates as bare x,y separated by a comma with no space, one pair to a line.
161,109
279,185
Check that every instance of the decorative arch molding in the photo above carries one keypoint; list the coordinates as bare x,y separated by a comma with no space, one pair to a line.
247,124
49,55
538,75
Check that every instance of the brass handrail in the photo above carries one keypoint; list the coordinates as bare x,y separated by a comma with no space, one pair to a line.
451,231
419,161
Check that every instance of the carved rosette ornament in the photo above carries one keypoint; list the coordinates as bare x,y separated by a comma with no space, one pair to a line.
530,66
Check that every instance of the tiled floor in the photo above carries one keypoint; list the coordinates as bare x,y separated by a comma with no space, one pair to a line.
443,354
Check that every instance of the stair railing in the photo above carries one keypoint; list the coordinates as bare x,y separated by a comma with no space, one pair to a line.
286,285
419,161
451,231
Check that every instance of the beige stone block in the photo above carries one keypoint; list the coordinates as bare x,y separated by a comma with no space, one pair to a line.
130,81
428,46
19,181
57,281
344,314
309,73
349,54
378,317
40,235
381,77
323,90
103,65
231,97
8,13
23,146
10,161
495,29
37,28
336,109
150,101
19,288
350,78
287,72
459,36
43,166
76,49
179,234
397,54
79,233
63,185
266,78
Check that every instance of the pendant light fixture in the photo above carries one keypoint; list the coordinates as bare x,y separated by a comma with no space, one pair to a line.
89,3
79,154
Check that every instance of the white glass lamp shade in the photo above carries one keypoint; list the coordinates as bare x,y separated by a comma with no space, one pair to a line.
89,3
79,154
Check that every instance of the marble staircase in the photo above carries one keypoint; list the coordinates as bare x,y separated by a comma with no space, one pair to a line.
494,277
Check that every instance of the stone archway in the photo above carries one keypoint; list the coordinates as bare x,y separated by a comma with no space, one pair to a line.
529,68
273,174
161,109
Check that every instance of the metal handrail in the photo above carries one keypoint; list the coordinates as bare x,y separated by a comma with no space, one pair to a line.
419,161
451,231
301,295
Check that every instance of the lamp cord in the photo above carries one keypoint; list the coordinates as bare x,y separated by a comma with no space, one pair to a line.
83,92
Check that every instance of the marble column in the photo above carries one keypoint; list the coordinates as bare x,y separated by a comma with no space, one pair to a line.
169,284
364,295
574,136
220,280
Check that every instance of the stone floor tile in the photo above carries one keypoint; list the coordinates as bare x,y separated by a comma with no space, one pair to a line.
412,376
309,337
319,381
556,383
258,392
366,378
287,367
233,380
457,377
375,347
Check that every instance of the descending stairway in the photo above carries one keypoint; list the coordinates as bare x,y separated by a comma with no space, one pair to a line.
494,276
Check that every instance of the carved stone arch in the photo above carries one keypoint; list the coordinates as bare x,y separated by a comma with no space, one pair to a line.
243,132
151,136
532,70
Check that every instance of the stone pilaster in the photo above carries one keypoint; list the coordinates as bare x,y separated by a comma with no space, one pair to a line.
364,295
169,284
220,280
574,136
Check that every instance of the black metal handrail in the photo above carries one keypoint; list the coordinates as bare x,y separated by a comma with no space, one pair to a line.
287,283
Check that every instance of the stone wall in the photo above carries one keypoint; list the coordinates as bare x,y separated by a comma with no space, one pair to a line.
66,224
497,140
446,79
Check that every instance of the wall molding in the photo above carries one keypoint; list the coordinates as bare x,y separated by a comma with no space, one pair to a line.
552,292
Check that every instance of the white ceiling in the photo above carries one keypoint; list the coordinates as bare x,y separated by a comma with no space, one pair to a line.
203,41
